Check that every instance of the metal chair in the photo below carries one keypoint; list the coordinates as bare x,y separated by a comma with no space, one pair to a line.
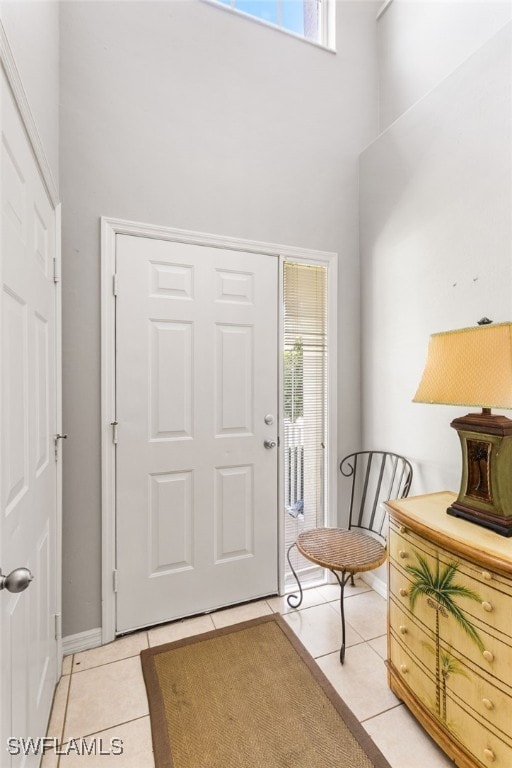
373,477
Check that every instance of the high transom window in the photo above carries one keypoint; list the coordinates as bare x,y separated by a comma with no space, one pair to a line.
310,19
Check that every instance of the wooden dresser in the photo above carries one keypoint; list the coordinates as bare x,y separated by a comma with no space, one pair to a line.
450,628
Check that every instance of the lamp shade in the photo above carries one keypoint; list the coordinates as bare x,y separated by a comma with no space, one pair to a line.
470,367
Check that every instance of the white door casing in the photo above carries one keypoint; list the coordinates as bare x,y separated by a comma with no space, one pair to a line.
110,229
196,355
29,419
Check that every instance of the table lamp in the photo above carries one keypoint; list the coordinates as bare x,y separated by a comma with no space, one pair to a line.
473,367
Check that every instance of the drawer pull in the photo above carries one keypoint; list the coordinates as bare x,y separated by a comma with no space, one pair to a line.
487,703
488,655
489,755
404,668
403,629
486,575
402,529
487,606
402,553
404,592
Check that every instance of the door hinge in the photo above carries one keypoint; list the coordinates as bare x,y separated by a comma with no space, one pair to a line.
56,276
56,444
114,283
114,424
58,626
115,580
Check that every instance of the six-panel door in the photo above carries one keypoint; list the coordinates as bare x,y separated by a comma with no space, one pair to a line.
28,424
196,375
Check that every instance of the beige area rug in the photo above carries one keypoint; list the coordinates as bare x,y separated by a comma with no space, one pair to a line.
249,696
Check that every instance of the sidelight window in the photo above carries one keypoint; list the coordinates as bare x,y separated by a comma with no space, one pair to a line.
305,400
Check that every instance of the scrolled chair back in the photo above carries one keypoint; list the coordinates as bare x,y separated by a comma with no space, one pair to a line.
373,478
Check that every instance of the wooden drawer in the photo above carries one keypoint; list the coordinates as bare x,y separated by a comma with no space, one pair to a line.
492,606
411,673
459,680
400,537
493,654
487,746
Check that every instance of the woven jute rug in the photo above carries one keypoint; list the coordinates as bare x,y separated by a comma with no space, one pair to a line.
249,696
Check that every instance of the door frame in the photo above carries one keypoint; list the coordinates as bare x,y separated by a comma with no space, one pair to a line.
13,78
110,228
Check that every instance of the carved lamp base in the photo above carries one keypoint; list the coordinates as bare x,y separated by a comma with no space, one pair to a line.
485,495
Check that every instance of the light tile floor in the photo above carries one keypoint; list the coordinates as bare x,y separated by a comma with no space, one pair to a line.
101,695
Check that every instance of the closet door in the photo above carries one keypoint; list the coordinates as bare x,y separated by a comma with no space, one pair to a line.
28,484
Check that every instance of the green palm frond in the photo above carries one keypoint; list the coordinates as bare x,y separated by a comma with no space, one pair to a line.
419,589
458,590
451,666
447,576
461,619
428,647
446,579
424,581
422,570
438,585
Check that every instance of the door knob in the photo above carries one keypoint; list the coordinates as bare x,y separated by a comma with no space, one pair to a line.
16,581
269,443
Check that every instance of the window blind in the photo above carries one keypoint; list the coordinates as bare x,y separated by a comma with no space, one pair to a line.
305,396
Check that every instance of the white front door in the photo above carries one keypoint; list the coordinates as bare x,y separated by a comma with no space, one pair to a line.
27,425
196,377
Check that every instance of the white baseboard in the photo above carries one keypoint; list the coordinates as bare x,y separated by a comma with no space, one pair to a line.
375,583
82,641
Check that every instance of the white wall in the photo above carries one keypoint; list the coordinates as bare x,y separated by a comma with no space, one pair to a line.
32,30
185,115
436,240
422,41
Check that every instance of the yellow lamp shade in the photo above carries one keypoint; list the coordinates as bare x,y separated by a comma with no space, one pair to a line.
469,367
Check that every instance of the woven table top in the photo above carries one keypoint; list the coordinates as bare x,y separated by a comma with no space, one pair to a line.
341,550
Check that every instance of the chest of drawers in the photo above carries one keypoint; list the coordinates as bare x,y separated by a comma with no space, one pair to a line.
450,628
